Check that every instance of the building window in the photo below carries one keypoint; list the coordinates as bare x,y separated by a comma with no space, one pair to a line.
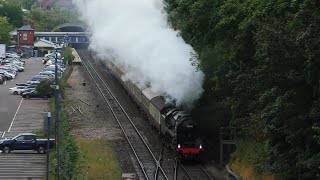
25,36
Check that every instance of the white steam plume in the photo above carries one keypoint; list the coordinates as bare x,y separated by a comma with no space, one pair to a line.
137,32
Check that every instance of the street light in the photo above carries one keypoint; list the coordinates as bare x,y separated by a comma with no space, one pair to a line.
18,35
48,145
56,98
48,142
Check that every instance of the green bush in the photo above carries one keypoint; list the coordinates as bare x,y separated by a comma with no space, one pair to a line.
67,54
45,88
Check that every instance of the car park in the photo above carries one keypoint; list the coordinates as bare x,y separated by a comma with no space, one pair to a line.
11,67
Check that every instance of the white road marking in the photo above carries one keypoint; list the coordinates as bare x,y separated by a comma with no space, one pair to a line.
3,134
15,115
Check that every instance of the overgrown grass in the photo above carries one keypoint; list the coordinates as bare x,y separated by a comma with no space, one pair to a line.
67,145
40,133
96,160
250,161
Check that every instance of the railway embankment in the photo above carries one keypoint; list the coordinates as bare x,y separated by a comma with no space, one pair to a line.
101,147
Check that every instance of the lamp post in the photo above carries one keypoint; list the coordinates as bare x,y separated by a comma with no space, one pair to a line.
18,36
56,98
48,145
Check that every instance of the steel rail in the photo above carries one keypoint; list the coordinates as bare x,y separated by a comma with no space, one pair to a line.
176,164
191,175
158,163
93,72
208,175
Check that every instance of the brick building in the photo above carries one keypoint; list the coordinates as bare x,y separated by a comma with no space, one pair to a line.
25,36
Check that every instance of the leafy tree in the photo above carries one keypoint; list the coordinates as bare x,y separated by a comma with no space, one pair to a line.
5,29
47,20
262,66
67,55
44,88
27,4
13,12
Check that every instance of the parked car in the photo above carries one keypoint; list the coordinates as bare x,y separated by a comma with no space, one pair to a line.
17,90
34,94
5,74
5,62
36,79
26,141
46,73
28,89
22,84
2,79
10,73
12,55
19,67
8,69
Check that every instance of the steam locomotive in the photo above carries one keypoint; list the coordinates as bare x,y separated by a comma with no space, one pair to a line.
174,125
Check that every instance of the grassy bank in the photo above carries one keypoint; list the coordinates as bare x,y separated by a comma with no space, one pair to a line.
96,160
250,161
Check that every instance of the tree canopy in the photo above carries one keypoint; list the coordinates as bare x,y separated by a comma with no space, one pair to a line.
13,12
47,20
5,29
44,88
262,65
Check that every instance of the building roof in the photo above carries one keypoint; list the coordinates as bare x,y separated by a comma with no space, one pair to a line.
25,28
42,43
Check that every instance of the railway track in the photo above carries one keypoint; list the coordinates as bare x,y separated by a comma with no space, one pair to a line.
195,172
150,166
162,167
191,172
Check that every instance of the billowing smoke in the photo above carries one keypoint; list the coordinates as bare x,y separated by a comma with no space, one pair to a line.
138,33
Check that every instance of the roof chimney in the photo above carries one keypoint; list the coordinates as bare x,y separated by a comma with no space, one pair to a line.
25,21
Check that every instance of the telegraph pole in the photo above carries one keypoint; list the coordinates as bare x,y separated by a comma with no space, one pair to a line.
57,112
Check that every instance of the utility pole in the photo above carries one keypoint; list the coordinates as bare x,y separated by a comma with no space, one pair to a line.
57,113
48,145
